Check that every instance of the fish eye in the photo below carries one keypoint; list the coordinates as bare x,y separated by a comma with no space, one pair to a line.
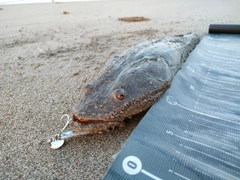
119,94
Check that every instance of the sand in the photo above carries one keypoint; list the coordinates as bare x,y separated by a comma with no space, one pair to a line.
46,56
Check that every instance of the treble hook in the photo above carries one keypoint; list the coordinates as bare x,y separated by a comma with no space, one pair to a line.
58,140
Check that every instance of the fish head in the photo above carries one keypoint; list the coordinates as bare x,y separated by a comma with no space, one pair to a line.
122,90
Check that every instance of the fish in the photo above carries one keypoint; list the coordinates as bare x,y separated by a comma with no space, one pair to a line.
130,83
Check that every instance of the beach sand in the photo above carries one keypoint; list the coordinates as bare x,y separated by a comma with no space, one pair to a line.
46,56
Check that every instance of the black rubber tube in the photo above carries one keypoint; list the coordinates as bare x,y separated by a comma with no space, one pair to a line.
224,28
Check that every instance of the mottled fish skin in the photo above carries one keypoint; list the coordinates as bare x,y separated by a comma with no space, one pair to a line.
131,83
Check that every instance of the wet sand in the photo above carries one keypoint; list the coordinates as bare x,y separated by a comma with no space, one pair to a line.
48,55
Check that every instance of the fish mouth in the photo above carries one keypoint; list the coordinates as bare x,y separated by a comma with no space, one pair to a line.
88,120
91,125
